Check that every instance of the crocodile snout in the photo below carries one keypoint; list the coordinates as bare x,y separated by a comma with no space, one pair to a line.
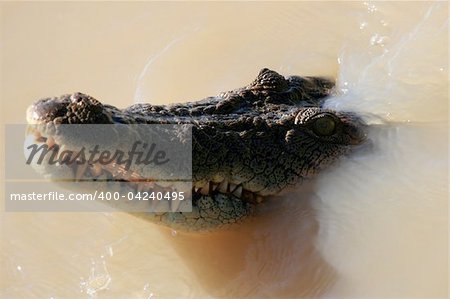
47,109
76,108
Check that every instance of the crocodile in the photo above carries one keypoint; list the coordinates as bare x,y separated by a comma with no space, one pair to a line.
247,144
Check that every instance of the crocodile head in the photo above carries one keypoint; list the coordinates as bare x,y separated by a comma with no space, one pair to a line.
247,144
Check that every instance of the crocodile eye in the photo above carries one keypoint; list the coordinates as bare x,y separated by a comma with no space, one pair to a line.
324,126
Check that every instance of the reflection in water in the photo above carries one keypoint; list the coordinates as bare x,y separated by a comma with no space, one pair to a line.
271,256
373,226
391,225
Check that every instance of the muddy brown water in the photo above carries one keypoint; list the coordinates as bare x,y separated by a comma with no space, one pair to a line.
374,226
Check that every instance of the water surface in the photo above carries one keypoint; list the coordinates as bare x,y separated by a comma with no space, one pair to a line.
374,226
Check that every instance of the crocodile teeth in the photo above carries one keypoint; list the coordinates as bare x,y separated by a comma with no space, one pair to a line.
50,142
205,189
37,134
62,148
231,187
154,205
223,186
175,205
41,139
96,169
153,186
161,206
238,191
214,186
140,187
80,171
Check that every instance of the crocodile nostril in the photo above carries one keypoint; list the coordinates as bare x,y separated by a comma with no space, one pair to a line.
47,109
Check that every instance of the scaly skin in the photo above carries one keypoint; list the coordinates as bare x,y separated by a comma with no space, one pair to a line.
259,139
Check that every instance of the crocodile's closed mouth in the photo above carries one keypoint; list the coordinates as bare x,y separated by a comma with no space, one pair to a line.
247,144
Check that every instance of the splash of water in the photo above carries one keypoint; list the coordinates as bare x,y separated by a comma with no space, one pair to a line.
406,81
385,231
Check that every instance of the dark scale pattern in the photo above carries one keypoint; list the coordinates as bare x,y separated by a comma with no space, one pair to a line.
260,137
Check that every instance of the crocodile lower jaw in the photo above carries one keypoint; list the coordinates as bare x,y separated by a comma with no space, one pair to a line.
112,172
